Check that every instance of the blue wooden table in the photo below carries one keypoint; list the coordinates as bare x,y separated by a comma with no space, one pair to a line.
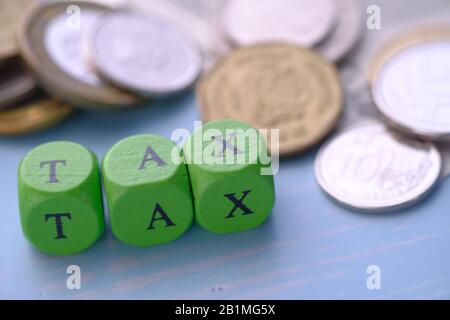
309,248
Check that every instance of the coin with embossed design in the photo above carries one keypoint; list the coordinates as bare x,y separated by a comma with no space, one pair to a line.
51,40
301,22
410,83
370,168
144,54
275,86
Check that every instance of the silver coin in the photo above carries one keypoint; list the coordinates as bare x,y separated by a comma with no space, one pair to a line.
51,38
198,17
64,44
345,34
303,22
412,89
144,54
369,168
16,83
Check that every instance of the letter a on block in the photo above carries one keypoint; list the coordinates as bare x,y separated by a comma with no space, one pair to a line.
151,155
162,216
147,190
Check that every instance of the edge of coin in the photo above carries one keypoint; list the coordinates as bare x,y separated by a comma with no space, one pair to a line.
404,40
13,52
395,45
235,43
44,111
81,98
23,90
371,210
348,49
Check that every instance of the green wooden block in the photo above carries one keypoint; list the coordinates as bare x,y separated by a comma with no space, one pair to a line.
147,190
225,165
60,199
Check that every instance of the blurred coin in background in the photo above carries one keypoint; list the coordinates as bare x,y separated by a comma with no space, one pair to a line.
369,168
32,114
16,83
143,54
347,31
110,3
275,86
198,18
301,22
410,81
359,104
51,40
10,13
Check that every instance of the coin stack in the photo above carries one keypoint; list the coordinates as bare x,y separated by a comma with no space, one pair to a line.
380,166
23,108
88,55
280,72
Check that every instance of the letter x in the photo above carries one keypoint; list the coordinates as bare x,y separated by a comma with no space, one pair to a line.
226,144
238,203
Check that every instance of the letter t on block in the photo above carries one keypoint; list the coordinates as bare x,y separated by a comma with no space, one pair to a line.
61,207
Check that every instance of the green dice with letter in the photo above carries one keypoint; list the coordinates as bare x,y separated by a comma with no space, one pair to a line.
148,191
60,199
231,176
154,190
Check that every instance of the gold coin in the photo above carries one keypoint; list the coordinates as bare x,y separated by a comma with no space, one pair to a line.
10,13
36,114
275,86
51,39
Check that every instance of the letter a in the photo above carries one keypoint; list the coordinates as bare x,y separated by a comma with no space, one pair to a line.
154,157
162,216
